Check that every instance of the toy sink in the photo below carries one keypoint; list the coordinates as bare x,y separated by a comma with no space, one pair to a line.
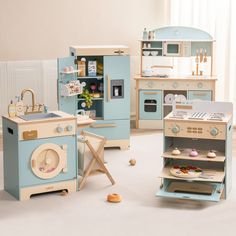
39,116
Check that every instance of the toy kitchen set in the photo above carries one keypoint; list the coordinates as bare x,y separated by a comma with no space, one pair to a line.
103,72
197,158
176,64
39,150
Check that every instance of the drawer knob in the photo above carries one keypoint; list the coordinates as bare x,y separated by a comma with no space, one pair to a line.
175,129
214,131
59,129
200,85
69,128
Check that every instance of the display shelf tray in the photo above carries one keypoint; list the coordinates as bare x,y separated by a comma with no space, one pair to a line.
70,72
98,77
94,99
202,156
152,48
209,175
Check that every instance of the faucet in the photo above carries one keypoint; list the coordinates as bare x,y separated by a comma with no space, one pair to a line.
33,101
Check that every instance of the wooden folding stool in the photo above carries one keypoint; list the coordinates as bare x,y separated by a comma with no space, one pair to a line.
91,156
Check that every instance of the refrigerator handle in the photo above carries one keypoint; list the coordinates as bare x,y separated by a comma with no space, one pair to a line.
108,88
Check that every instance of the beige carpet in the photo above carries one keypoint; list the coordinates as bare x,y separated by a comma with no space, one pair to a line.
140,214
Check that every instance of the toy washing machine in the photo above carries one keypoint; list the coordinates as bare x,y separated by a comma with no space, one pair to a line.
40,154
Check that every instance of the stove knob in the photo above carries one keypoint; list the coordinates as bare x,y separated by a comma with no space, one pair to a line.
214,131
175,85
59,129
200,85
175,129
69,128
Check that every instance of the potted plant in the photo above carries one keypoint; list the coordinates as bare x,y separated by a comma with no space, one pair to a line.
87,97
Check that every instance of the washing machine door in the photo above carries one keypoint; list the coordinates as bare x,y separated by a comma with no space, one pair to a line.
48,160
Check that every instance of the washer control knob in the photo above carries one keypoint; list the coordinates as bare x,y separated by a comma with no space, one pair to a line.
214,131
69,128
175,85
59,129
175,129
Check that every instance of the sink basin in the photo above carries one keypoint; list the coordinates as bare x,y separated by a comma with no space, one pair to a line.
39,116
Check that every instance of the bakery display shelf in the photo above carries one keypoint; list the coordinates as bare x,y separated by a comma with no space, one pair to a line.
208,175
202,156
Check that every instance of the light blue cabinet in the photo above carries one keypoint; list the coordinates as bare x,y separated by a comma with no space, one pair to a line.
150,104
199,95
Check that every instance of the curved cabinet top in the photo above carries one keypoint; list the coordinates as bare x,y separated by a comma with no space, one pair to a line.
181,33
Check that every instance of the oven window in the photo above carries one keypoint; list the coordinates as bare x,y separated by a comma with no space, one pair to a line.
173,48
150,105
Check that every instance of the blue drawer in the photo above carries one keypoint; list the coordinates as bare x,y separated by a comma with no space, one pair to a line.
150,105
191,190
111,129
199,95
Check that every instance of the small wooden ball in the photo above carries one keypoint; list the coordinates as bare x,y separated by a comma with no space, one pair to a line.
132,162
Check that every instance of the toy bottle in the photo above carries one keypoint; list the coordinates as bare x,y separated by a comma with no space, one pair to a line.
12,109
145,34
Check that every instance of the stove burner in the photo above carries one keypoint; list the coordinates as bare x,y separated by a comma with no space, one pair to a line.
198,116
179,114
216,116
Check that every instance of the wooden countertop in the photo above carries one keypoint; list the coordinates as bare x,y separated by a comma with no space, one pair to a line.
63,116
190,77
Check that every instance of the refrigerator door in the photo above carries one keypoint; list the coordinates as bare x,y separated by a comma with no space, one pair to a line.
116,87
66,74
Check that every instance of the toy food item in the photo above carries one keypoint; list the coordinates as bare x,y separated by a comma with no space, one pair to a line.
176,151
193,153
114,197
132,162
211,154
186,171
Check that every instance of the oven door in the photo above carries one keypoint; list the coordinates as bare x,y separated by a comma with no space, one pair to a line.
192,190
150,107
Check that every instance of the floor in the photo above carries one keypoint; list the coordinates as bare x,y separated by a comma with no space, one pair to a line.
140,213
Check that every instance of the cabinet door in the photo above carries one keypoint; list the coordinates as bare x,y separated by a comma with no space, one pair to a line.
199,95
150,105
116,87
66,104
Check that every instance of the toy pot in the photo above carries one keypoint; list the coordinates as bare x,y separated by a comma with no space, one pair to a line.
193,153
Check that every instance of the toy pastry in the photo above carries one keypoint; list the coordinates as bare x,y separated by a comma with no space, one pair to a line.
193,153
211,154
114,197
176,152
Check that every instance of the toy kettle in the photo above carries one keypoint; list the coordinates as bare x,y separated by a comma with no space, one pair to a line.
193,153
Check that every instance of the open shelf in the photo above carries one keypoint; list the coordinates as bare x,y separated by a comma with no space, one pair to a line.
202,156
152,48
209,175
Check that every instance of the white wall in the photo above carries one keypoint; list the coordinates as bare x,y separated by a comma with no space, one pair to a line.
42,30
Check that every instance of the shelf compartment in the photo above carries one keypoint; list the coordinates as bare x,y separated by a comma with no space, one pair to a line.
186,190
202,156
209,175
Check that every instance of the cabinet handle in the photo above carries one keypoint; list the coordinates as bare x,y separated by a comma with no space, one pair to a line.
162,66
119,51
108,89
150,93
102,125
199,94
